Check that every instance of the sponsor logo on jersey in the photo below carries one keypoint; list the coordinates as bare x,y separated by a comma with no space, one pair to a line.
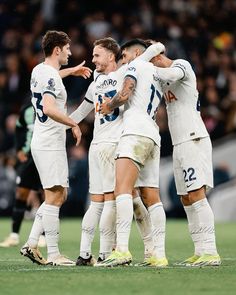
106,83
156,78
132,69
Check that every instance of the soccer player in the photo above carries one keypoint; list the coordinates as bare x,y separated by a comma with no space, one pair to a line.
48,146
27,175
137,156
192,155
105,135
107,131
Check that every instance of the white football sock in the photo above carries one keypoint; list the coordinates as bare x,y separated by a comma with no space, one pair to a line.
37,227
193,227
158,220
124,217
107,229
206,226
143,222
89,225
51,226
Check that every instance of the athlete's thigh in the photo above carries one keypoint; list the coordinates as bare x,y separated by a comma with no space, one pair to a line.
178,173
149,173
135,147
196,163
126,176
52,167
95,176
107,152
132,152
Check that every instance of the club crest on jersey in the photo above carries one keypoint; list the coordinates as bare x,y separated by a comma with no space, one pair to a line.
51,84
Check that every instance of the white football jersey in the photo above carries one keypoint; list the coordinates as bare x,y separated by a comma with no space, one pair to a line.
140,110
48,134
107,128
183,107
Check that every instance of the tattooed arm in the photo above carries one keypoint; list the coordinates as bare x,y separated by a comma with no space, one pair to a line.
120,98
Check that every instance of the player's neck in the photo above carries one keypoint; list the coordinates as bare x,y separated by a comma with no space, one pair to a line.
111,68
53,62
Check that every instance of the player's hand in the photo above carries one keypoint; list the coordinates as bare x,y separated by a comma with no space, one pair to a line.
104,107
22,156
77,134
82,71
156,48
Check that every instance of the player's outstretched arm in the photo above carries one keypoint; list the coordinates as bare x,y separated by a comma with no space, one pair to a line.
171,75
152,51
82,111
77,71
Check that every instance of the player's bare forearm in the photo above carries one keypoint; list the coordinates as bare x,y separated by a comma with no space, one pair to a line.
50,109
121,97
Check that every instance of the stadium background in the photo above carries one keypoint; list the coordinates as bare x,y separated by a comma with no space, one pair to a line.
201,31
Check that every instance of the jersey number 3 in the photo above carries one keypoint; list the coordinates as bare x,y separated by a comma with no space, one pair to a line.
38,107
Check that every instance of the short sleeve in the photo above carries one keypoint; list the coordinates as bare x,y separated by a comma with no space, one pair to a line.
89,93
183,65
132,71
51,84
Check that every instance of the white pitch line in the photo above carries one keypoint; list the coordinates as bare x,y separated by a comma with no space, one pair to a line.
47,268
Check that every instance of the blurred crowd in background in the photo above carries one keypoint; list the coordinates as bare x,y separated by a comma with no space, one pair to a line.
203,32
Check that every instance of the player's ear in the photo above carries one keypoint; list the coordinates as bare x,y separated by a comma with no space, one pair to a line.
111,56
137,52
57,50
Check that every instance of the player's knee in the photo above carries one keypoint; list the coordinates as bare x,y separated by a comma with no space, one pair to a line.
194,196
150,196
185,200
122,191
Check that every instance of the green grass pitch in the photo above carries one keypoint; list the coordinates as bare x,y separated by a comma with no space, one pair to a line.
20,276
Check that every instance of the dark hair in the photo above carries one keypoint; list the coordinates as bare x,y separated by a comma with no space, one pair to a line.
109,44
149,42
119,56
134,42
52,39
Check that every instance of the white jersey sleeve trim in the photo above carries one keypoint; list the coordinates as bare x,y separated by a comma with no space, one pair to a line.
176,66
131,76
51,93
88,100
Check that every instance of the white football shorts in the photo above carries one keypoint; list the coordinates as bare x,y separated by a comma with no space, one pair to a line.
146,156
102,167
52,167
192,163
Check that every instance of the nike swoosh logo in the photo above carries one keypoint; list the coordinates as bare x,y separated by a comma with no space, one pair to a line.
188,185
